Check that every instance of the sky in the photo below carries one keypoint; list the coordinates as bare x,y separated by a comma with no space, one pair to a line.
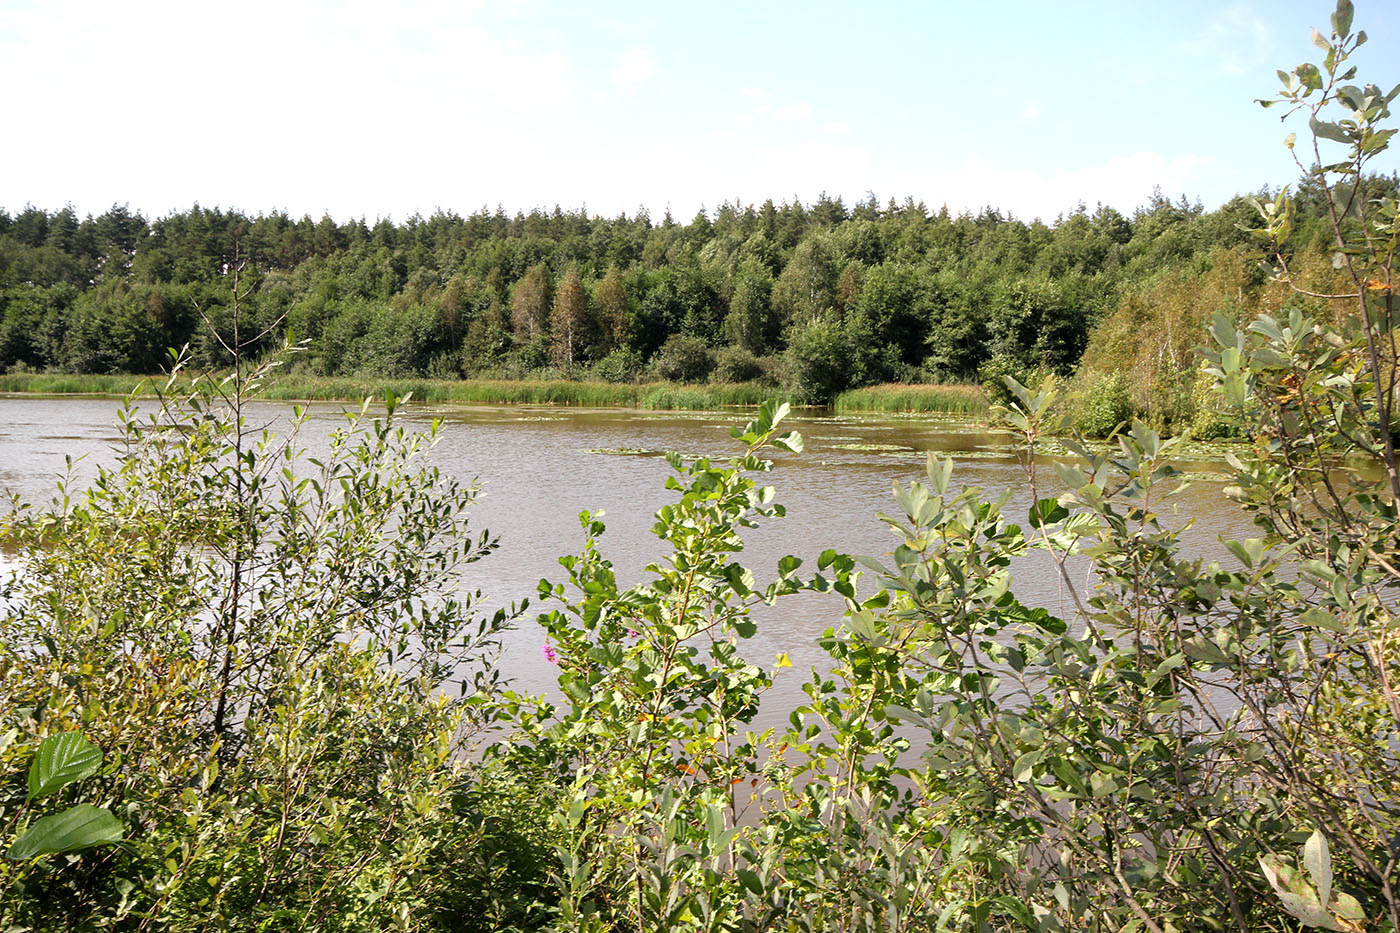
377,109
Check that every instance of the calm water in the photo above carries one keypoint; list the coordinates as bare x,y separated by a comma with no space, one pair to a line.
540,467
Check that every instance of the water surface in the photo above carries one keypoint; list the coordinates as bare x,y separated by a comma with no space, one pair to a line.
539,467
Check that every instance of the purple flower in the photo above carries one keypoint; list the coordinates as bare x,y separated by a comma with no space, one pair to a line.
550,654
631,633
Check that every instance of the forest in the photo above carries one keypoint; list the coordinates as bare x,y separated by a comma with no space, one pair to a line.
808,299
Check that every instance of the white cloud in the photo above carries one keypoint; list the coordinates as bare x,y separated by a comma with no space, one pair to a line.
1236,38
794,112
359,108
1124,181
633,66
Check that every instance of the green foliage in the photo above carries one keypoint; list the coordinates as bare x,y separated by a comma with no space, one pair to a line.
823,359
736,364
1105,407
993,375
59,761
683,359
937,294
1212,418
79,827
264,644
652,746
621,365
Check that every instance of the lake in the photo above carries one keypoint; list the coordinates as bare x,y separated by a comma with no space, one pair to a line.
539,467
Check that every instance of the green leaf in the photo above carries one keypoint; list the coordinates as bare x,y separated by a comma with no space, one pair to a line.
1318,617
1328,130
740,578
1024,767
1014,907
1047,512
1203,649
1319,864
1341,25
750,880
75,828
792,441
1297,898
1348,908
61,760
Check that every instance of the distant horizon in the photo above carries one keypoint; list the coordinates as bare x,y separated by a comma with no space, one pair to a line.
656,217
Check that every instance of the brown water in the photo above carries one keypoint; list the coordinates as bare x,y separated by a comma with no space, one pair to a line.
540,467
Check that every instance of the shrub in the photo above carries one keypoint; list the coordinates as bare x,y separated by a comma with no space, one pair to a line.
1105,407
621,365
736,364
992,376
1213,418
825,358
260,644
683,359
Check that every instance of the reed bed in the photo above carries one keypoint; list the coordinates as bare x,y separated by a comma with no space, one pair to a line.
657,396
72,384
895,397
561,392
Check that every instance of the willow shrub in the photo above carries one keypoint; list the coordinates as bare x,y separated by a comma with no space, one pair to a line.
671,811
274,657
1184,745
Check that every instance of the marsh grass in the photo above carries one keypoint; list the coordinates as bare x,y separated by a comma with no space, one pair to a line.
656,396
895,397
565,393
71,384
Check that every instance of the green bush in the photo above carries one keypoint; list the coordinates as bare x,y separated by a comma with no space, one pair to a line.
683,359
736,364
1104,408
992,376
265,663
825,358
1213,419
621,365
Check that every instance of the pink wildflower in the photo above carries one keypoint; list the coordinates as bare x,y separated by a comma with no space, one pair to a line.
550,654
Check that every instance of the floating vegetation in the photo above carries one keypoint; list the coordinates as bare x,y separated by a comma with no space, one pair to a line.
872,448
625,452
958,456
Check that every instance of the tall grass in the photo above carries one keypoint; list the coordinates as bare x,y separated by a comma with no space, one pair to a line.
894,397
663,396
67,384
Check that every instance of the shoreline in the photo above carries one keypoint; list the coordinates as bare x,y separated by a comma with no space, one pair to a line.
648,396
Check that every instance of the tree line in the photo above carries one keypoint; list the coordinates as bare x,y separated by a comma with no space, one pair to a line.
816,298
